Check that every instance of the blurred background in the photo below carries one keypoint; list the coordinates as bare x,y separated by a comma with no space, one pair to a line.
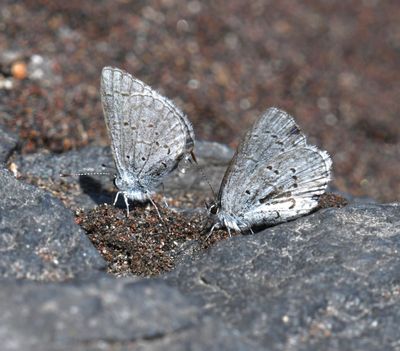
334,65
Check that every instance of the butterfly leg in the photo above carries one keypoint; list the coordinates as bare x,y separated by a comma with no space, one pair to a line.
127,205
155,206
211,230
165,202
116,198
205,226
243,226
164,198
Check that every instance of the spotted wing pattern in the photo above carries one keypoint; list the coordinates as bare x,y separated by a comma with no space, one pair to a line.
149,135
274,175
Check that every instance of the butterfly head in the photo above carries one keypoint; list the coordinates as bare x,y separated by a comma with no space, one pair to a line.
212,208
221,219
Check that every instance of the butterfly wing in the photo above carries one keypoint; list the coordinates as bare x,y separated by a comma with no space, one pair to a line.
274,176
149,135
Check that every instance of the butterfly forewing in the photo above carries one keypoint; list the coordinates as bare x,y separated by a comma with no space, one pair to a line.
290,187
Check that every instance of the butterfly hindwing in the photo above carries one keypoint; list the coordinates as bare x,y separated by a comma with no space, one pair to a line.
149,135
290,186
274,176
158,144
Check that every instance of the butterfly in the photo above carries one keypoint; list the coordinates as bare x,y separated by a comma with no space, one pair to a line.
273,177
149,134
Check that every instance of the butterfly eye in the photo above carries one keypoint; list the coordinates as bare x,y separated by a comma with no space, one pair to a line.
213,209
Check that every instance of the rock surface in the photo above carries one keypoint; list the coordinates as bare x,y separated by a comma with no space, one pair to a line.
39,239
9,142
328,281
107,314
85,191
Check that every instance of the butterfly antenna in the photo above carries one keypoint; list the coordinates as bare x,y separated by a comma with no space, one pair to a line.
85,174
204,176
194,159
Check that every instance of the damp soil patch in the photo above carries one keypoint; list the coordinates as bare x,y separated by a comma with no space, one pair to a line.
144,244
328,200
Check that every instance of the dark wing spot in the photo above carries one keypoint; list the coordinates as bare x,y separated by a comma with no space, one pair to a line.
295,130
276,171
133,128
268,197
151,125
295,185
293,170
274,136
143,158
128,157
247,192
294,177
157,133
167,147
269,167
157,143
164,164
126,123
279,142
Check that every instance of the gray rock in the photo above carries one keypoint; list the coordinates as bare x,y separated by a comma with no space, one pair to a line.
212,161
8,143
328,281
39,239
49,166
210,151
107,314
91,190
